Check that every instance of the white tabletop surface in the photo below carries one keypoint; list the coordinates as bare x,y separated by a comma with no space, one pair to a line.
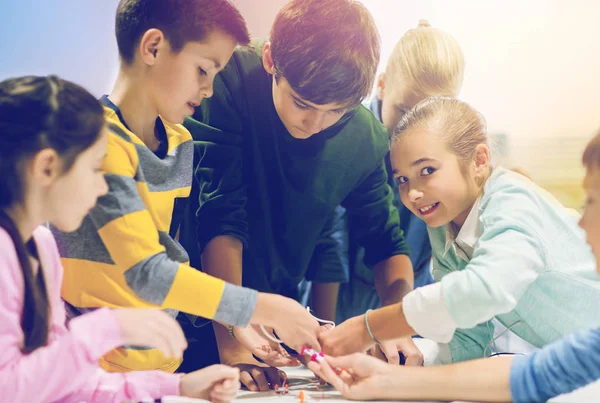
301,378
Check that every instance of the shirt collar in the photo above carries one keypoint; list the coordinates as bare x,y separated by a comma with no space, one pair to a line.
161,131
464,242
374,105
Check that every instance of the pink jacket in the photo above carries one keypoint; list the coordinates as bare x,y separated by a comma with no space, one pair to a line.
66,370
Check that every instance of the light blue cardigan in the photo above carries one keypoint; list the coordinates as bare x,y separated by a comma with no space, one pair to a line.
531,269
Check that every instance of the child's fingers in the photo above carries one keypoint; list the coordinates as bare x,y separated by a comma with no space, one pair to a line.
247,380
225,391
390,351
230,384
162,344
326,372
172,332
291,361
219,373
265,353
324,329
347,362
172,345
276,377
227,386
344,368
260,379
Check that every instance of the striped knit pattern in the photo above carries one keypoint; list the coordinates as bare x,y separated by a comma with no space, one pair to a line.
123,256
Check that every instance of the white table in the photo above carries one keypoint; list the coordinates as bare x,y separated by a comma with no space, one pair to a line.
300,378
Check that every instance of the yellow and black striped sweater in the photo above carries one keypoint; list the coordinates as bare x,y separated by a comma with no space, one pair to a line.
123,255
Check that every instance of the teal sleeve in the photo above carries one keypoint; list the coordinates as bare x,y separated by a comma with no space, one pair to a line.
473,343
508,258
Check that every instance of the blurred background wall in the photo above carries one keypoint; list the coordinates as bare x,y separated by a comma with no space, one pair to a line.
532,66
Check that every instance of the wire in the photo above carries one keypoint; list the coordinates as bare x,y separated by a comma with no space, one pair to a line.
493,342
500,354
327,322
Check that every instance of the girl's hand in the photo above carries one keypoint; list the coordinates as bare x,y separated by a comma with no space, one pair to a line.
388,351
150,327
349,337
357,376
217,383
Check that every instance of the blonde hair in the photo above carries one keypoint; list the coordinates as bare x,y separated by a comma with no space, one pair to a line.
428,61
458,124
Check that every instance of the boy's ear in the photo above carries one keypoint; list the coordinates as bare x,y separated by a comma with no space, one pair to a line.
268,59
152,42
381,86
46,166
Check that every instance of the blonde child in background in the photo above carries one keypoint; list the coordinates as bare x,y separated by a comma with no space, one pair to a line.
425,62
502,247
52,143
557,369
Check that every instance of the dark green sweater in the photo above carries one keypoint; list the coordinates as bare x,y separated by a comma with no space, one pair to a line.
277,194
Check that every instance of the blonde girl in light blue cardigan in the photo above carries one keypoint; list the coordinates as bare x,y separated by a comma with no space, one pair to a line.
502,247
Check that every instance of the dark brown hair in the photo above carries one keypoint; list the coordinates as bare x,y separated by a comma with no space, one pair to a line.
38,113
181,21
327,50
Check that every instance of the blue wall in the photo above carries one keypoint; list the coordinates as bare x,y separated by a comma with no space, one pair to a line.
70,38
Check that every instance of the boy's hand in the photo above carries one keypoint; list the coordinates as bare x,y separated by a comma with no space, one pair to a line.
295,326
254,375
151,328
268,351
217,383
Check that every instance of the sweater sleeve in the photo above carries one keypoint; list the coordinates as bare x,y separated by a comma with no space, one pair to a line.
104,387
96,384
508,258
375,220
329,263
128,232
61,366
559,368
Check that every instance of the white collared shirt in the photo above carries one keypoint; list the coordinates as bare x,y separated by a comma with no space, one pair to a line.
424,308
464,242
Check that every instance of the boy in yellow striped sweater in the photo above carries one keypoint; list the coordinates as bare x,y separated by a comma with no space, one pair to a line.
123,255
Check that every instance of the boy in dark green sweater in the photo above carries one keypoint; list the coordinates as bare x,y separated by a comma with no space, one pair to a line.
281,143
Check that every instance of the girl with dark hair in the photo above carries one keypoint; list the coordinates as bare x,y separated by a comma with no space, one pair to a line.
52,144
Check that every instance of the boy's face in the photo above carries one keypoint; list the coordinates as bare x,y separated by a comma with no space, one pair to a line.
302,118
178,82
590,221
